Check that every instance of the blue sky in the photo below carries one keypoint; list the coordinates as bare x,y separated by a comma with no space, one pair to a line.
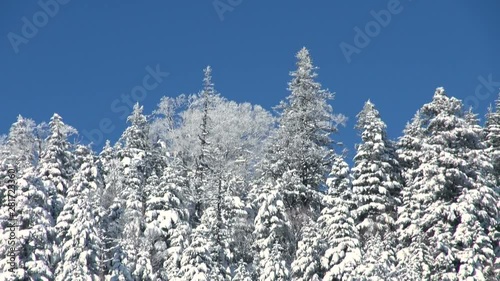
85,54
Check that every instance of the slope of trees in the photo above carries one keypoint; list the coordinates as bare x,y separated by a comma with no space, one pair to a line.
209,189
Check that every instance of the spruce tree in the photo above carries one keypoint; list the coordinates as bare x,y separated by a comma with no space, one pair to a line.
79,226
306,265
33,227
342,249
56,164
444,191
273,238
376,189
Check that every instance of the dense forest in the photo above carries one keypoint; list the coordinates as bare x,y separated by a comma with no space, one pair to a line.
205,188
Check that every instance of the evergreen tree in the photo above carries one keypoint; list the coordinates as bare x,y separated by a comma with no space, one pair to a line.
78,226
167,221
342,252
445,192
128,209
273,238
413,255
56,164
242,273
33,227
376,175
376,187
302,142
21,144
196,263
306,265
492,138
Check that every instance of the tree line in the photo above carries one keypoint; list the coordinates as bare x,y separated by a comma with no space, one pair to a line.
205,188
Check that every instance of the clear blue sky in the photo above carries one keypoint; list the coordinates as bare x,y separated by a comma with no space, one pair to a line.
87,53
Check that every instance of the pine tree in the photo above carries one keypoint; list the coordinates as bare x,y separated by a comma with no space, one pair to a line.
414,256
133,215
376,175
492,142
342,252
134,154
492,138
203,173
78,226
273,267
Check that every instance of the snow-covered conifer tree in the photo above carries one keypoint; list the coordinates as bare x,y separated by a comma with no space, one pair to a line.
196,263
167,221
376,190
302,142
33,227
78,226
342,249
56,163
21,144
453,195
242,273
273,238
306,265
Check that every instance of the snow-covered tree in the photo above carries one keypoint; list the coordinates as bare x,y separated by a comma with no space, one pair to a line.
78,226
342,250
242,273
306,265
56,163
167,221
452,195
376,190
33,226
273,266
127,212
21,144
196,263
376,175
273,238
492,137
302,141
